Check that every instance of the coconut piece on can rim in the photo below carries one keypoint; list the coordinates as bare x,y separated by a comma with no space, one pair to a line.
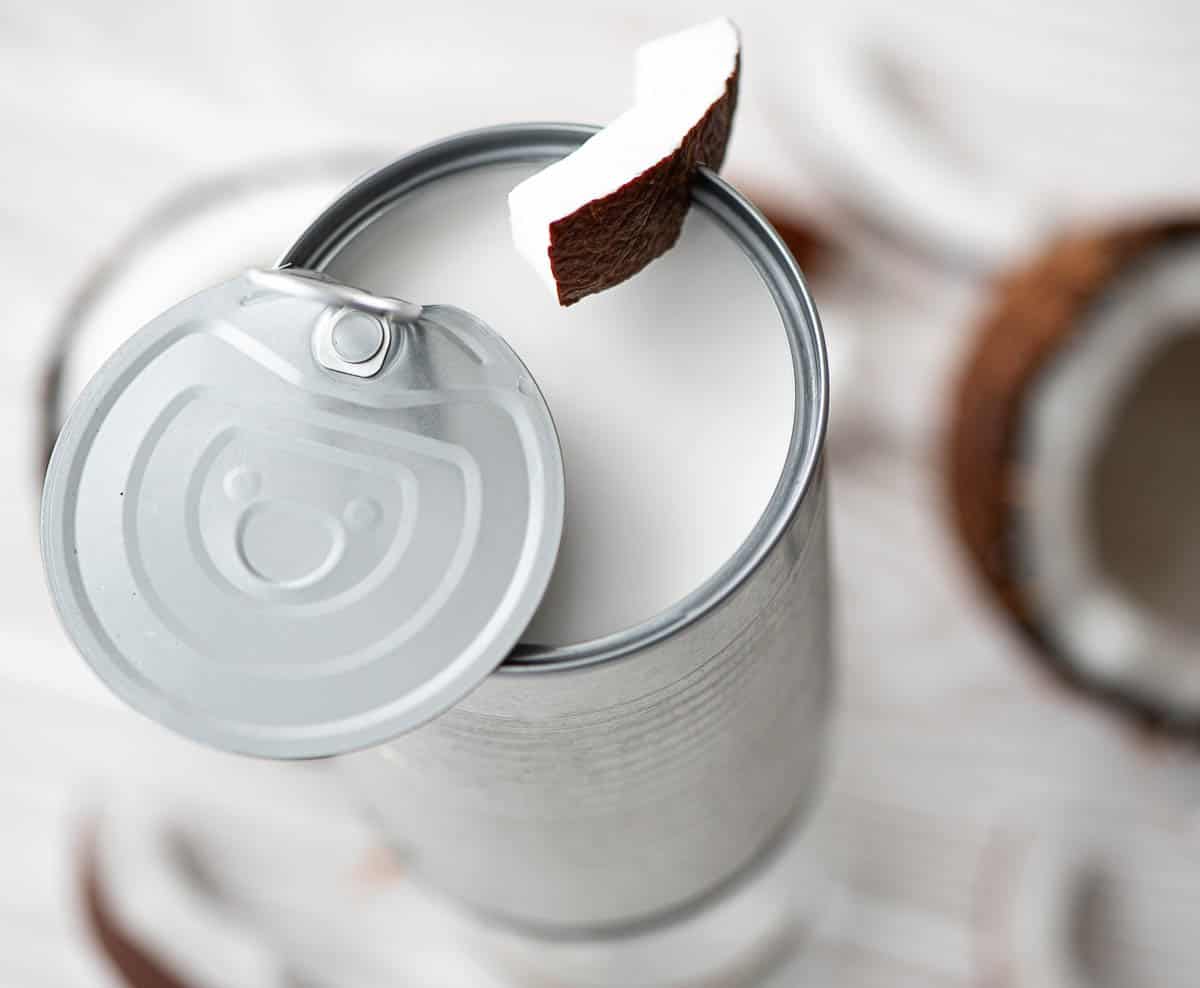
601,214
1041,420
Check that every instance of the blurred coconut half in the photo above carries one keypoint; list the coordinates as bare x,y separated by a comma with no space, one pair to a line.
1074,463
1096,899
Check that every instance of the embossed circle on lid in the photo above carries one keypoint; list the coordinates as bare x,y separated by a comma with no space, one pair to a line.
289,557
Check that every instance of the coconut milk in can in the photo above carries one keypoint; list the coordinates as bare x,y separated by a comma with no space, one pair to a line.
578,668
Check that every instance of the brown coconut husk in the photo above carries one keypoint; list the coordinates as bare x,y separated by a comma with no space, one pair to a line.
137,965
1034,312
608,240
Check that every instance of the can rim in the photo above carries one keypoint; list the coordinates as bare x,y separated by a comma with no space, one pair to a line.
523,142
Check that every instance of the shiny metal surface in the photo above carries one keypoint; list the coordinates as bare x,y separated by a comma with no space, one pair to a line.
604,785
594,799
315,286
350,341
276,558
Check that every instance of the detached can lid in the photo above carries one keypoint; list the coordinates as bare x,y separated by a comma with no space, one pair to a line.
293,519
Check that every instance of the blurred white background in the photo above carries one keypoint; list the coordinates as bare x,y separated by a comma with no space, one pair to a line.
950,746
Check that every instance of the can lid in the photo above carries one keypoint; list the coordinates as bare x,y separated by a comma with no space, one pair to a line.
290,518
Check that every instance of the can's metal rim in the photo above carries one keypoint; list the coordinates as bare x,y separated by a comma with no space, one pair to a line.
546,141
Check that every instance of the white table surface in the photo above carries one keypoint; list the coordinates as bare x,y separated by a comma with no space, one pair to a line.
948,738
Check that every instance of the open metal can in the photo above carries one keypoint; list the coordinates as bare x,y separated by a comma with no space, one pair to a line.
296,518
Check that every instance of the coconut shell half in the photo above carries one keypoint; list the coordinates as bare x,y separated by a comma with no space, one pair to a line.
1041,333
137,965
600,215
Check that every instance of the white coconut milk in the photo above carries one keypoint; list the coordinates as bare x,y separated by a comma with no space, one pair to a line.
672,393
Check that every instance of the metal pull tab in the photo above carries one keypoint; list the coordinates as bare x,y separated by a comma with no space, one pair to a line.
351,341
354,334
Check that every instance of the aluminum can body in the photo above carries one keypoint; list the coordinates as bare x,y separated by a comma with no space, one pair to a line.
620,782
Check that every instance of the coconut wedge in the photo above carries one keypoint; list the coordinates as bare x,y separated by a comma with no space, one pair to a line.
603,213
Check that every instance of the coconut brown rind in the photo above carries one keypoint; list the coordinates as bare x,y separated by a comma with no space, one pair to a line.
138,966
1035,313
610,239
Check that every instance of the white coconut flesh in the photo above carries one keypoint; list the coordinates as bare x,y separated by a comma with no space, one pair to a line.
678,79
1109,535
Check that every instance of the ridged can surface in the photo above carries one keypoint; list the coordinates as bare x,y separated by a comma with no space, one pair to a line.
597,787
